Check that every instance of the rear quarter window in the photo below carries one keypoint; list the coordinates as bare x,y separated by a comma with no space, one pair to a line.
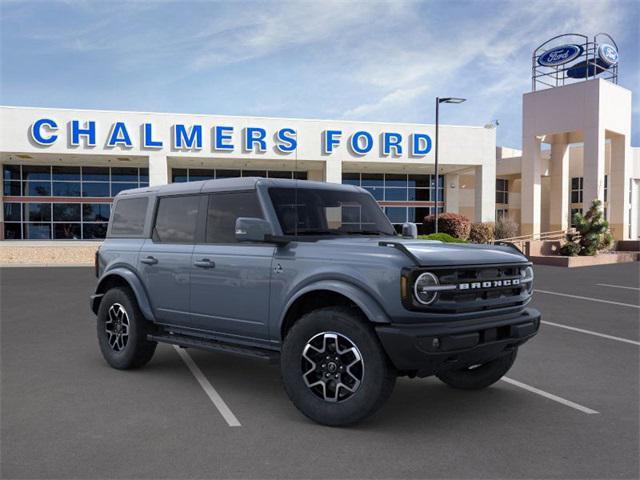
128,217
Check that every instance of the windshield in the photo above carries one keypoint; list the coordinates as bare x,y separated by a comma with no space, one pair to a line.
308,211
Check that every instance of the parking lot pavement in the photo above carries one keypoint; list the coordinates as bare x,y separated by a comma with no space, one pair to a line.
65,414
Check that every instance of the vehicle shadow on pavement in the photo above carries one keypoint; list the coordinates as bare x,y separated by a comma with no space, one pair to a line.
254,390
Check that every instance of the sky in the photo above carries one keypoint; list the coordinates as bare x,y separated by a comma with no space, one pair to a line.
351,60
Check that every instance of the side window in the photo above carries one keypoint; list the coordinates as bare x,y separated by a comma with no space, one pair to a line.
224,209
176,219
128,217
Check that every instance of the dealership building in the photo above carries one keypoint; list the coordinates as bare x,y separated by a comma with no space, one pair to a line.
61,168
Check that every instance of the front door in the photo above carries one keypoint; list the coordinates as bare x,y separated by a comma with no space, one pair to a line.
165,259
230,281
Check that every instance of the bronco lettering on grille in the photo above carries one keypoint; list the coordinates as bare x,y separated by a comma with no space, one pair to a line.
509,282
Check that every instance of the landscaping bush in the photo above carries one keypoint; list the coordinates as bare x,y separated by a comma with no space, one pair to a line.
443,237
592,233
482,232
506,228
456,225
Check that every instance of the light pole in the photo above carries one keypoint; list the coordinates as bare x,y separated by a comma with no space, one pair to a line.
438,102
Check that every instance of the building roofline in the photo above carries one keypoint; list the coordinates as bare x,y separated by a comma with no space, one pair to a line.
239,116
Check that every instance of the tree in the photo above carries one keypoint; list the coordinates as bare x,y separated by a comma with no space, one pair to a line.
592,233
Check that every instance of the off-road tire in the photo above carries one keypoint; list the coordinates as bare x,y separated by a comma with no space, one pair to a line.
137,351
479,377
378,378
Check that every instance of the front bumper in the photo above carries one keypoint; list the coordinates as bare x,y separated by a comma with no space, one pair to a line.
426,349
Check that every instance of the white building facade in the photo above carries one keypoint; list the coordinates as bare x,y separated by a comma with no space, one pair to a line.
62,168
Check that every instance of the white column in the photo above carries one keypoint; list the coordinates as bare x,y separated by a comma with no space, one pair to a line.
618,188
485,192
593,167
452,192
158,169
531,188
333,170
559,204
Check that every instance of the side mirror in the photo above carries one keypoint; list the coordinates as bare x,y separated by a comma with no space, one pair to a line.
252,229
409,230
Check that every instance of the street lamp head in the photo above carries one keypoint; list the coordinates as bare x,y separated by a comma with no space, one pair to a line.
451,100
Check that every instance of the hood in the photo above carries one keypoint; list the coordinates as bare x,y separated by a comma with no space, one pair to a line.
432,253
435,253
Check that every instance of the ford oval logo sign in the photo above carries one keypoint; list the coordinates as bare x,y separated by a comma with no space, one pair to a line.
608,54
560,55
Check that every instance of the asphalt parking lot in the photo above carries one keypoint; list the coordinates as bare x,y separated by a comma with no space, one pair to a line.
569,408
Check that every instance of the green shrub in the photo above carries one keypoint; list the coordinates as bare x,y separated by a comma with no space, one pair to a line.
506,228
482,232
456,225
592,233
443,237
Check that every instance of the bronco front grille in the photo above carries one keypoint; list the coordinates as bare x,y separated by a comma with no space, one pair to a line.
478,288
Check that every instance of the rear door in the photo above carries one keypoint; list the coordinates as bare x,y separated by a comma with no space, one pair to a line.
165,259
230,281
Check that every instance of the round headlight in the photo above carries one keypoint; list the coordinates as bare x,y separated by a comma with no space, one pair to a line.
526,275
425,288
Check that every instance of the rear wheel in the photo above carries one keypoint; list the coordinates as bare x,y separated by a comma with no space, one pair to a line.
481,376
122,331
334,368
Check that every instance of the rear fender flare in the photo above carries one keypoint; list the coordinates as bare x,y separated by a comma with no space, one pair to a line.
133,281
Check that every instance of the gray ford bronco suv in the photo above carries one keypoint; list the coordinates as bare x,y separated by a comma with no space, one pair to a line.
312,275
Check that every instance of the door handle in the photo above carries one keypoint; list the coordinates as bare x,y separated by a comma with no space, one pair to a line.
204,263
149,260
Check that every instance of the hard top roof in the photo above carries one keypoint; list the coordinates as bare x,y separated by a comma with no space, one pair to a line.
230,184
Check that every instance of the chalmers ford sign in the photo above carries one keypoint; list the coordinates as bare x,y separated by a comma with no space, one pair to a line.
196,137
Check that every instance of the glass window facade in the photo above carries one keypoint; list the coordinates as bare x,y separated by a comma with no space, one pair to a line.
76,201
195,174
413,196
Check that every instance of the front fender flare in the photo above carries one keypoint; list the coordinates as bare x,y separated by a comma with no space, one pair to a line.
133,281
369,306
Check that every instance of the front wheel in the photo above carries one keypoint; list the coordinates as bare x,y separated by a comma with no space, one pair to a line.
477,377
334,368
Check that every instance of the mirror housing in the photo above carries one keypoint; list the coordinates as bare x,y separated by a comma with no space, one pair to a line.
409,230
250,229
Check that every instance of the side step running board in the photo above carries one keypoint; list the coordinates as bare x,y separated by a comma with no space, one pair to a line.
213,345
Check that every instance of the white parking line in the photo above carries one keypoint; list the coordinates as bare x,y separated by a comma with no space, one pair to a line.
215,397
590,332
588,298
550,396
616,286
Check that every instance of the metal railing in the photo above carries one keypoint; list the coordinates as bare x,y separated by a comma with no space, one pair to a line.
521,240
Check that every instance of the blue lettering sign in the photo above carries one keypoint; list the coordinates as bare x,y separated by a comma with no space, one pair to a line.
186,139
420,144
359,147
37,134
147,137
119,136
255,136
391,140
286,140
331,139
89,131
222,137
